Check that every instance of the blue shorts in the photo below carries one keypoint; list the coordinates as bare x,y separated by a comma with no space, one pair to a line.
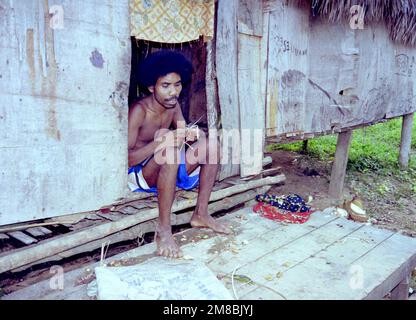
137,183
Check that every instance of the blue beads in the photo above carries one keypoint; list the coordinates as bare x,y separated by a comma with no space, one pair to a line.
292,202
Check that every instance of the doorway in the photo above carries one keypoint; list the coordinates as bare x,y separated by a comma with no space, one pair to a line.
193,98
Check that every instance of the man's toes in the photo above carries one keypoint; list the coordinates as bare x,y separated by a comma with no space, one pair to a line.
164,252
175,253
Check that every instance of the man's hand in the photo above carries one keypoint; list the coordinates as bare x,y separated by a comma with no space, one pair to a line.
192,133
179,137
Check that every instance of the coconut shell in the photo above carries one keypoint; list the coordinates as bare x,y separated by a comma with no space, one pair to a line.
358,217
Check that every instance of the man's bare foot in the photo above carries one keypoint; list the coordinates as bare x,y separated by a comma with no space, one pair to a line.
206,221
166,245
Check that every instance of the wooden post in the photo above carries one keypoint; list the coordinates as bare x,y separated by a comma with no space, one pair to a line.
305,146
406,140
340,165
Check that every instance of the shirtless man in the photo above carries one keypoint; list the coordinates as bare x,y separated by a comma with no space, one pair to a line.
150,120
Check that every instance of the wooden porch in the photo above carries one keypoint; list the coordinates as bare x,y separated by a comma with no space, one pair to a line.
326,258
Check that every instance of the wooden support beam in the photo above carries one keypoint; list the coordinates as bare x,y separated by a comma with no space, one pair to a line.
128,210
23,256
19,227
44,230
282,138
3,236
305,146
36,232
271,171
406,140
22,237
132,196
340,165
267,162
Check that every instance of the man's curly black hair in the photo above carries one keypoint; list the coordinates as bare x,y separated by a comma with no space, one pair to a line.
160,64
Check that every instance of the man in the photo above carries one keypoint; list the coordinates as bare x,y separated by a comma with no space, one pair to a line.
153,146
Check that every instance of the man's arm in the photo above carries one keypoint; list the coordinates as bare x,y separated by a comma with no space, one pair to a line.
136,118
178,118
180,123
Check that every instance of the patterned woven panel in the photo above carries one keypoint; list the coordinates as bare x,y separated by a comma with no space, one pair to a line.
172,21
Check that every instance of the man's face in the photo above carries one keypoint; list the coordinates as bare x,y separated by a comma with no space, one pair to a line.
167,89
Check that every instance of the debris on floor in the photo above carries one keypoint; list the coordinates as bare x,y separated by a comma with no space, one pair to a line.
290,209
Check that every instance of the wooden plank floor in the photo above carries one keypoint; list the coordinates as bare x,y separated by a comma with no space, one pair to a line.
325,258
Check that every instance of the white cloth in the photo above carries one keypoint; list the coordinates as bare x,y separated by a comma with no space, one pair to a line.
160,279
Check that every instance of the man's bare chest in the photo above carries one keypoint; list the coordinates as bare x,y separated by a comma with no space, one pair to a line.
152,124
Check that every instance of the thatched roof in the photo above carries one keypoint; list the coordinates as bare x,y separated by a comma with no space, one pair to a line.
398,15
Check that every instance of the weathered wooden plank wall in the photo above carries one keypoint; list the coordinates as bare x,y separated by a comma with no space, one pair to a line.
251,102
357,77
287,68
226,69
239,74
63,106
325,77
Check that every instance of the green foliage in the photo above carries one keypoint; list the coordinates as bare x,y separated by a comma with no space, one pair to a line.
373,149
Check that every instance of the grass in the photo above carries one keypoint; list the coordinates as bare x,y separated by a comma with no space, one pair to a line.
374,148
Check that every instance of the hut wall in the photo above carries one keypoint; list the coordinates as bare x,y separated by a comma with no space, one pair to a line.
249,78
241,87
356,77
226,43
287,69
324,77
63,106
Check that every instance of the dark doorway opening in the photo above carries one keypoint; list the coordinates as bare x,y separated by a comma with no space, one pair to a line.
193,99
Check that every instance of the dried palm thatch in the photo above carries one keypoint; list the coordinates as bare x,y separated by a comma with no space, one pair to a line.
398,15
